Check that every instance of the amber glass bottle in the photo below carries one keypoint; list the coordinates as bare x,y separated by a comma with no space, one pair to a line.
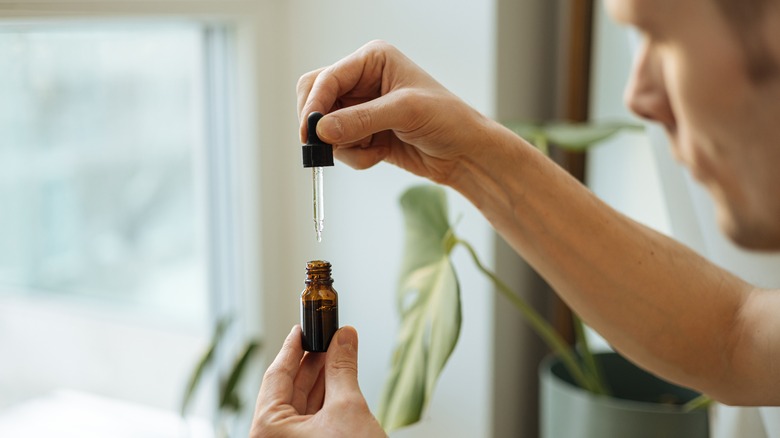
319,307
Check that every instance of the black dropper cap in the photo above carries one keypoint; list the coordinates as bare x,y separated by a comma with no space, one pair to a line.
316,153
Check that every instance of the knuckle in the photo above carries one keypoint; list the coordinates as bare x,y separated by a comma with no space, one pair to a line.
339,366
270,371
274,371
264,426
408,98
269,374
305,81
363,120
413,104
351,158
379,49
379,45
259,429
353,403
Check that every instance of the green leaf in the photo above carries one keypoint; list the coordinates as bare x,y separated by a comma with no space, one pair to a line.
203,363
528,130
580,136
229,398
429,304
571,136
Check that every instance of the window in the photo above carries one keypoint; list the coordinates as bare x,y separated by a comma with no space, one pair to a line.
100,130
118,211
130,193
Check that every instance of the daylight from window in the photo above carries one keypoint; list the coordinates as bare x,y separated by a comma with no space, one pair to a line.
100,133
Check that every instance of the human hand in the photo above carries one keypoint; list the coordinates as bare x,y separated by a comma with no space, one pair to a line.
314,394
379,105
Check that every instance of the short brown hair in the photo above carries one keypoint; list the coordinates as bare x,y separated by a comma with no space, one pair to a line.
745,18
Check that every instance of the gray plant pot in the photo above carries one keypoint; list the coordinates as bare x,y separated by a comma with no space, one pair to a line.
568,411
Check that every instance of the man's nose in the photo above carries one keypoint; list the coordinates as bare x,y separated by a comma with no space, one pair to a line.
646,93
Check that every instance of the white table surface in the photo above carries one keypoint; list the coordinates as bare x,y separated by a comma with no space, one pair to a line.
72,414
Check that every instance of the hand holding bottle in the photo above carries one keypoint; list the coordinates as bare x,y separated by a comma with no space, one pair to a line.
305,395
379,105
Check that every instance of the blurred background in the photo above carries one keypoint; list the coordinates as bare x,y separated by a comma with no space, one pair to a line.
151,186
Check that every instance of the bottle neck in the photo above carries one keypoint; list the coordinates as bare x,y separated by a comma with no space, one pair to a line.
318,271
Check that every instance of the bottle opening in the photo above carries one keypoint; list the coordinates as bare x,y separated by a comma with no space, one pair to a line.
318,270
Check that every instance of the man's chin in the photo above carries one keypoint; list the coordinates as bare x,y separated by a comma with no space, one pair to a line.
750,236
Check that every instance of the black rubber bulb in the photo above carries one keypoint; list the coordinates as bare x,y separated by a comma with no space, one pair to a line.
316,153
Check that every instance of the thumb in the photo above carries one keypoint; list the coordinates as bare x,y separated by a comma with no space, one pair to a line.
341,363
354,123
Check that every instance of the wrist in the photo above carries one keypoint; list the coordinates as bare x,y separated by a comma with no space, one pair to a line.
492,175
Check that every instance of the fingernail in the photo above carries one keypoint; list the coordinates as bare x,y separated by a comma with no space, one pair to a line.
330,129
347,336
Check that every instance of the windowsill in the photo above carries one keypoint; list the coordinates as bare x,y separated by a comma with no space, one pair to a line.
103,310
51,343
67,414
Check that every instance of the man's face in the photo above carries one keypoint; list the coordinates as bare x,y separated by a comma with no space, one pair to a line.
691,76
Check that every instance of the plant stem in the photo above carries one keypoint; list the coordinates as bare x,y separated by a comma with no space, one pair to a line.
539,325
541,143
699,402
589,360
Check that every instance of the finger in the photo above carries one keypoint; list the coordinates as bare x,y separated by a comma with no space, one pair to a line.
303,89
396,111
317,395
366,75
341,366
277,386
365,64
362,158
311,367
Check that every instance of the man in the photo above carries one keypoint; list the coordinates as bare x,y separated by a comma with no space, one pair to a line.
708,71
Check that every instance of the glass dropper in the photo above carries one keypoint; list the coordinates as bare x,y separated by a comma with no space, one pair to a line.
319,203
317,154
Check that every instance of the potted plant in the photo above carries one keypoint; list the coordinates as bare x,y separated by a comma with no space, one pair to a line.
229,403
600,395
